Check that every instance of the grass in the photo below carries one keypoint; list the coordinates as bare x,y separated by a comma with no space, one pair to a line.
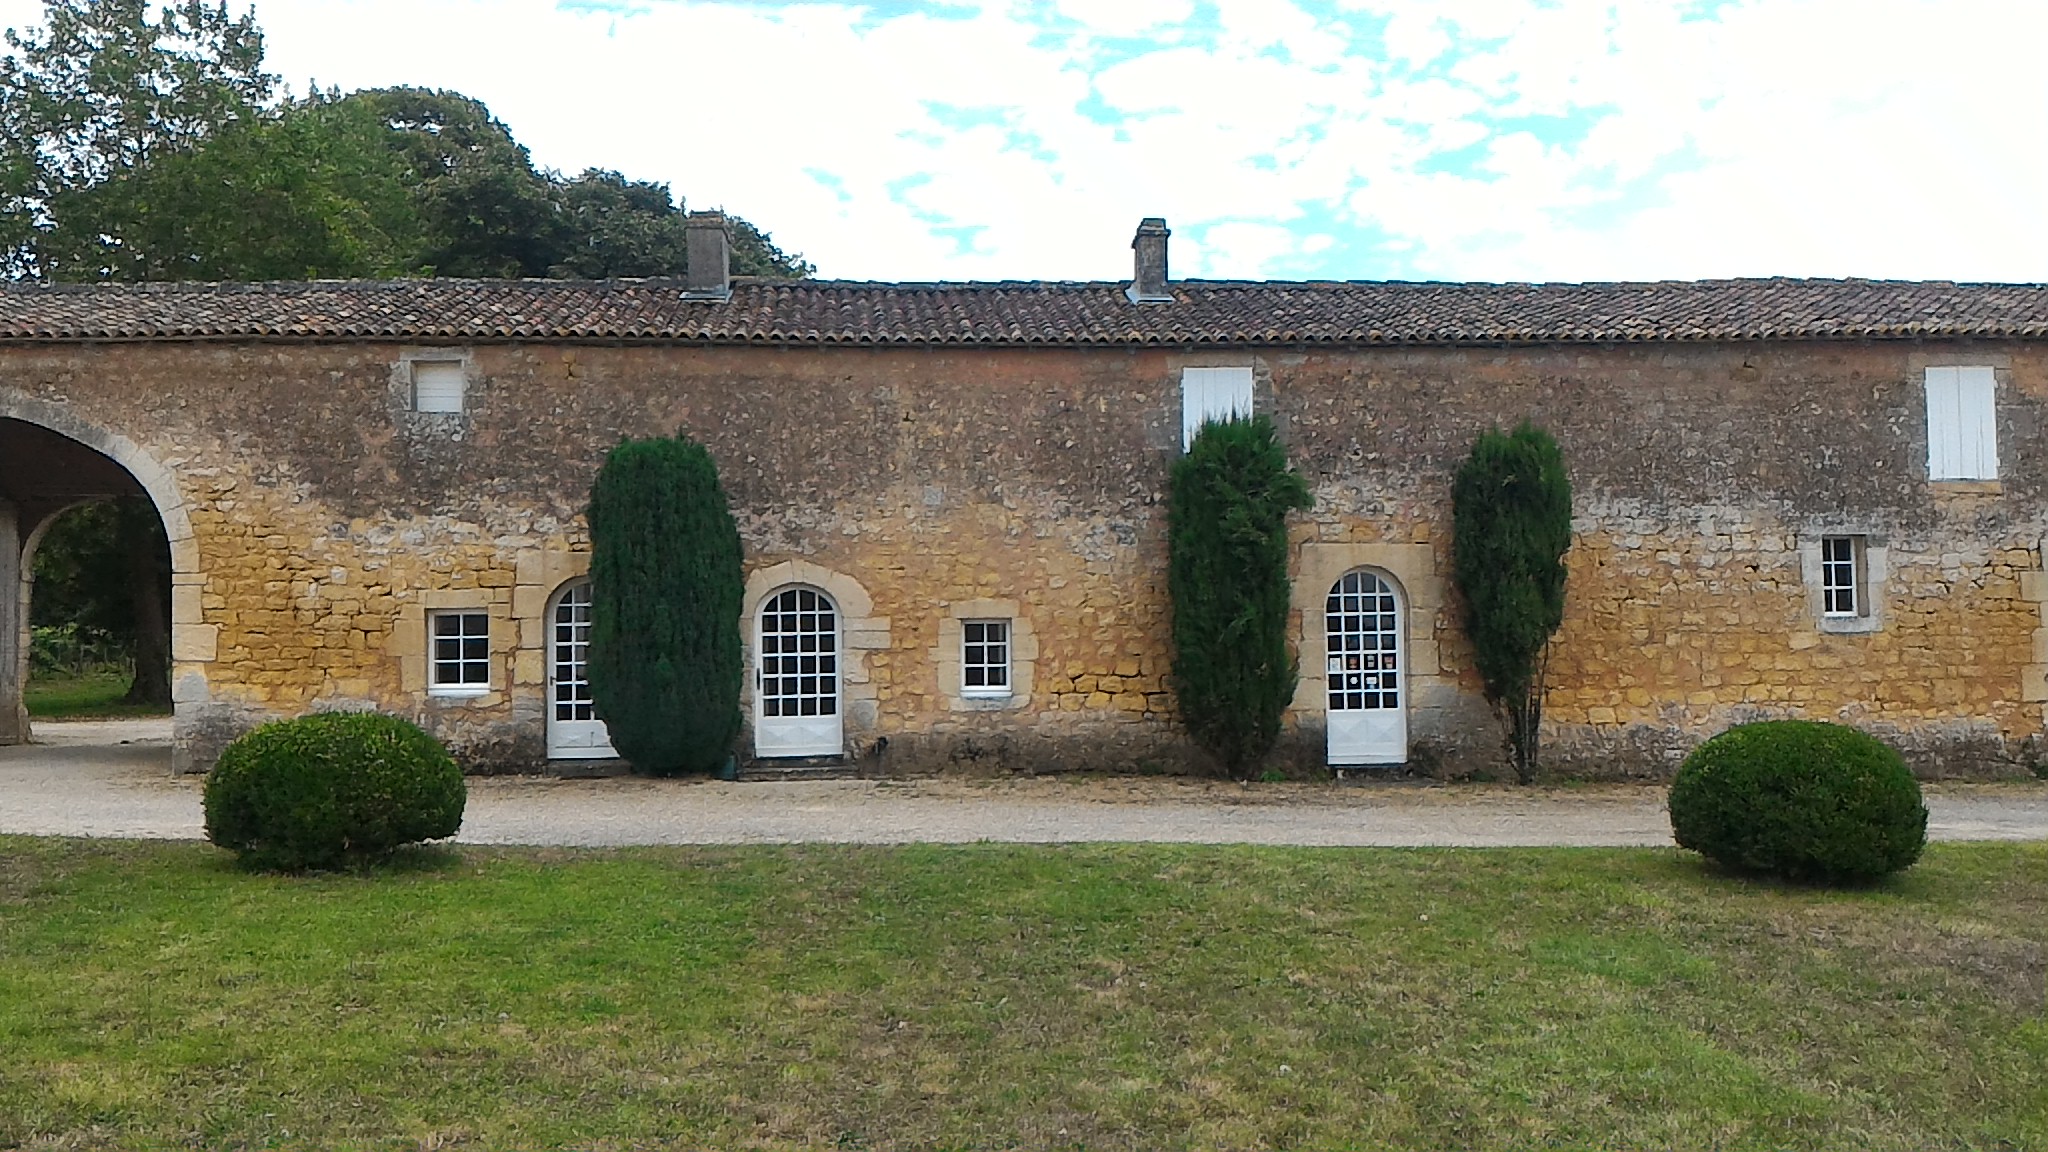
91,696
1044,997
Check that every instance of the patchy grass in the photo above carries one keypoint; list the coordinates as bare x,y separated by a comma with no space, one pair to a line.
1098,996
93,696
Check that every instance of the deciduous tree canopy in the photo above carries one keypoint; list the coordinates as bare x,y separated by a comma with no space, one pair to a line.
148,145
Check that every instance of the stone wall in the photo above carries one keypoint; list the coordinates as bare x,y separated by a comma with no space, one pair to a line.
328,519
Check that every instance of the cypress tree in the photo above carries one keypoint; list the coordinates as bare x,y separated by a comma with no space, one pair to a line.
1227,575
666,586
1511,509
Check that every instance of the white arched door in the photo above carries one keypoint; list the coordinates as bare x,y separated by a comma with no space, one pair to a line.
574,731
1366,671
796,676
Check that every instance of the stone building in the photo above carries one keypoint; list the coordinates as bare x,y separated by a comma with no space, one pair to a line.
1812,498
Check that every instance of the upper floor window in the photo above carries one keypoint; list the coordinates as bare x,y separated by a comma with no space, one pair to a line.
437,385
1212,394
1962,424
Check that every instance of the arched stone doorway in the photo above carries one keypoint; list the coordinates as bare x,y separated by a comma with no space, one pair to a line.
50,461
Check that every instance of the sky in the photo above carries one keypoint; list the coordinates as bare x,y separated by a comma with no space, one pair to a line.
1487,140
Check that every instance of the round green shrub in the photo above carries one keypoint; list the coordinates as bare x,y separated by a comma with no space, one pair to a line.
331,789
1800,799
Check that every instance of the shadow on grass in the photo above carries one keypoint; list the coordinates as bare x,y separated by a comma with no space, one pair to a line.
407,860
1903,884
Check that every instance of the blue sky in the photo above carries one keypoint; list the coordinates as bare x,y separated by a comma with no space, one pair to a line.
1350,139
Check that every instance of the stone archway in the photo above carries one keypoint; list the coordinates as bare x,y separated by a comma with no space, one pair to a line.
51,460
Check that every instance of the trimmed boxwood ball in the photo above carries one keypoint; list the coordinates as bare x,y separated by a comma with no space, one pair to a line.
331,789
1801,799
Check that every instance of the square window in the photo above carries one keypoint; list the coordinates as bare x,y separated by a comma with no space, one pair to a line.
1212,395
437,385
985,658
459,663
1962,423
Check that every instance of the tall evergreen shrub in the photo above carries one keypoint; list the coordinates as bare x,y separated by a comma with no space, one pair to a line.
1511,508
1227,575
666,586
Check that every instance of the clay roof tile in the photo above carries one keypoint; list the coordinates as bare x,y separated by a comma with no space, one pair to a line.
1210,313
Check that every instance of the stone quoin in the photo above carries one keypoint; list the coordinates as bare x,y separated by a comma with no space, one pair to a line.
1820,498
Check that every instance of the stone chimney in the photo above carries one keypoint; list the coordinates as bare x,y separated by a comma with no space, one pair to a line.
1148,280
708,247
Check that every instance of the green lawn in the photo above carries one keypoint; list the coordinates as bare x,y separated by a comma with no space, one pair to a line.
1088,997
95,695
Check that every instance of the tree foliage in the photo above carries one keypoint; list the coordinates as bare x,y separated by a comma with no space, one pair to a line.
102,90
104,570
313,192
483,209
666,589
147,145
1511,507
1227,511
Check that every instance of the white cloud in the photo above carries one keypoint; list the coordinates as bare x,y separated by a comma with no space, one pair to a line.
1125,17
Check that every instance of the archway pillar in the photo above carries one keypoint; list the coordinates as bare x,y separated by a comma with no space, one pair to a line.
201,727
13,628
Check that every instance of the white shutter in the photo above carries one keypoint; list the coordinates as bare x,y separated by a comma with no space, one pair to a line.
437,385
1962,424
1976,401
1208,394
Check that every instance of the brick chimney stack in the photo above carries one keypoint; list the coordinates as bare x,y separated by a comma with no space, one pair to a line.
708,248
1148,281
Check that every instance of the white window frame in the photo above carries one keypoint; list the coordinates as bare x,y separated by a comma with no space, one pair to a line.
1212,395
968,665
1962,422
421,388
439,668
1869,567
1841,577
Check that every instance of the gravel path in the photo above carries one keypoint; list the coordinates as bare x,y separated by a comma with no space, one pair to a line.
83,780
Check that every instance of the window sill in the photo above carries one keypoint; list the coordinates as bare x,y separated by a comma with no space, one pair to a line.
965,703
1968,487
463,693
1849,625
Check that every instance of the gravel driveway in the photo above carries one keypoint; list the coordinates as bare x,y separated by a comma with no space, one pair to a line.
113,779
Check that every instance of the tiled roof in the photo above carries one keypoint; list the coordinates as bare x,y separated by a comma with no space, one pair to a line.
1203,312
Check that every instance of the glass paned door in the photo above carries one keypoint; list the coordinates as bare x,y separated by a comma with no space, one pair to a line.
796,676
574,731
1365,673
